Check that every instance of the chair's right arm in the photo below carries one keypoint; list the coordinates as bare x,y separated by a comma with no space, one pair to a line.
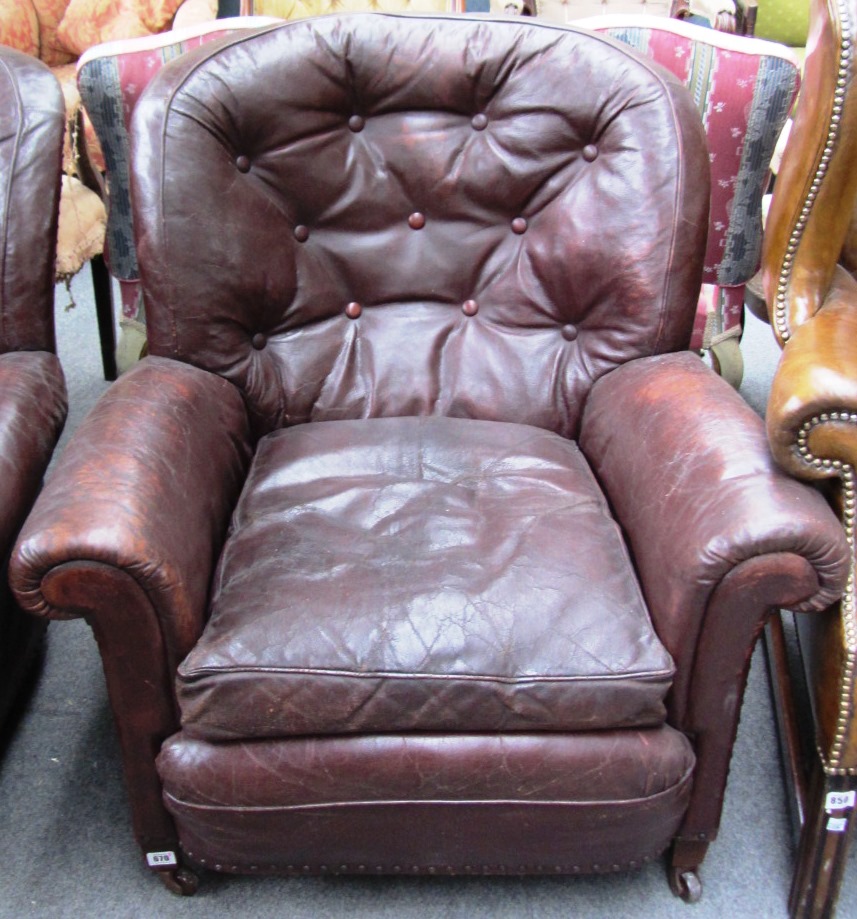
126,533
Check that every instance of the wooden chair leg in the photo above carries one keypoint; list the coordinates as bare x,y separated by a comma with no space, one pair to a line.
103,288
822,806
793,723
823,849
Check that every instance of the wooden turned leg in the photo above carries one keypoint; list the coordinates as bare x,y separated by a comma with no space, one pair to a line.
823,847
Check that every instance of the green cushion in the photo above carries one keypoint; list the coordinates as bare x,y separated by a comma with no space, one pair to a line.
785,21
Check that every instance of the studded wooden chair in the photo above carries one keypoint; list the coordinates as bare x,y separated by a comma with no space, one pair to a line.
32,388
809,266
414,546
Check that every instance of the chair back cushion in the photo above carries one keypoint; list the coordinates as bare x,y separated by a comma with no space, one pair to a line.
32,121
375,215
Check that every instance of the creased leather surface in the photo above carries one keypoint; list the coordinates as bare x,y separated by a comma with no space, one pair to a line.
686,466
461,803
527,199
32,412
147,484
422,574
32,121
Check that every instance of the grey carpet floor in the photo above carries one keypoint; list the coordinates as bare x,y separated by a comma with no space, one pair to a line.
66,848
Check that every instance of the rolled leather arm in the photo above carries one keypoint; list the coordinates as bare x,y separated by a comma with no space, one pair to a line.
141,497
812,410
33,406
713,524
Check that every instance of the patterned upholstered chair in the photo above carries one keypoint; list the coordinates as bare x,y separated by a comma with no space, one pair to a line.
396,339
57,32
744,89
809,265
111,78
32,388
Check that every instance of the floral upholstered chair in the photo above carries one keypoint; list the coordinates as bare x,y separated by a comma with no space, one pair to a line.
57,32
744,89
111,78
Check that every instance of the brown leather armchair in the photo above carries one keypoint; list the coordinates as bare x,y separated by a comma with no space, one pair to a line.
413,547
808,264
32,388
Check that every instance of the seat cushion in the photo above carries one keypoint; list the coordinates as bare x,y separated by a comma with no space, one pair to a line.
422,574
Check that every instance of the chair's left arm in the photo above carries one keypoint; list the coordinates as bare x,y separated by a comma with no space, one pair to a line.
126,533
720,536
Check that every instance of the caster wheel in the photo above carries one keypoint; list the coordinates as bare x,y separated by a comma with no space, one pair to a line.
180,881
685,883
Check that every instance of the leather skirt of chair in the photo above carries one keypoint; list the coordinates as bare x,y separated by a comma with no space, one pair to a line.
436,804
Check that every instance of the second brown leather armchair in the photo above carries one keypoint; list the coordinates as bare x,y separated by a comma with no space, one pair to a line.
32,387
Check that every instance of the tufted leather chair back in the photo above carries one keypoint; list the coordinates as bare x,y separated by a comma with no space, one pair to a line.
375,215
32,120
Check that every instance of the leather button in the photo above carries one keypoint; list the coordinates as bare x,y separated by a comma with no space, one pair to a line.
590,152
353,310
479,122
569,332
416,221
301,233
356,123
470,307
519,225
260,340
242,163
